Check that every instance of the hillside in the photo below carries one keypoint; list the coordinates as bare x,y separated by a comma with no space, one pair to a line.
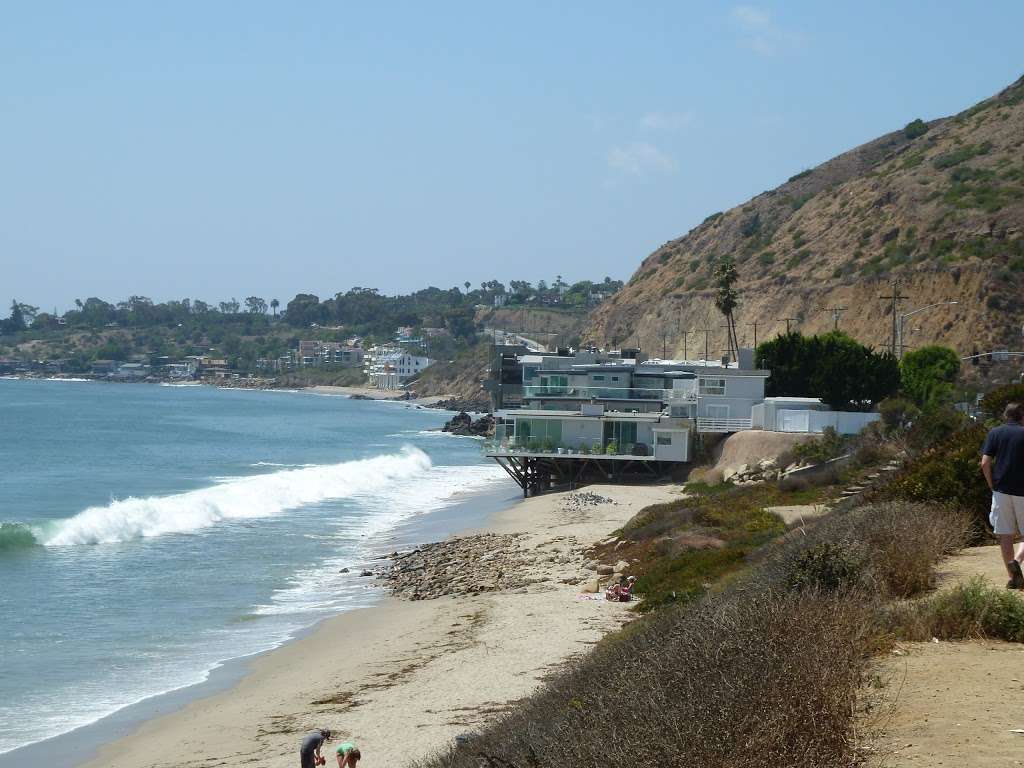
938,206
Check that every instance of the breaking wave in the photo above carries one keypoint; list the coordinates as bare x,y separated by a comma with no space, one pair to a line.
234,499
16,536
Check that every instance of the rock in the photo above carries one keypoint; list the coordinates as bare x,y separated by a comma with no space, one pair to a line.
621,566
366,573
591,587
343,570
605,570
728,474
590,565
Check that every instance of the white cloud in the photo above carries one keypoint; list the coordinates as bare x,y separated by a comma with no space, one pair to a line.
668,122
760,33
640,158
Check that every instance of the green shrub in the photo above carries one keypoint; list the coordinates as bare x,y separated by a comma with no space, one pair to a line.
971,610
915,128
820,449
801,175
897,412
948,472
927,374
995,401
957,156
827,567
766,258
934,425
713,217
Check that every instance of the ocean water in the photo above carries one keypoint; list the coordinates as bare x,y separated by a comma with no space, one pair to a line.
148,534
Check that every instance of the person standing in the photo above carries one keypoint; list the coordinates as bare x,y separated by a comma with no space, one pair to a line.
1002,463
309,752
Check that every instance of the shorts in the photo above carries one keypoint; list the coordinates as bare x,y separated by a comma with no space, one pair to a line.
1007,516
308,759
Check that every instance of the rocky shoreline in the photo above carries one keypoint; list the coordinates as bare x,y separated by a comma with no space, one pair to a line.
491,562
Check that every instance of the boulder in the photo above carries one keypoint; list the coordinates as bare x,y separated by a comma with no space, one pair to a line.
591,587
621,566
605,570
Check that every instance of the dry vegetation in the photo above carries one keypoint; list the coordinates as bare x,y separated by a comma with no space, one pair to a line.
765,668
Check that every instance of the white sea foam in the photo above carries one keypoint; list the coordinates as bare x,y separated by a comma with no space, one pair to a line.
233,499
322,587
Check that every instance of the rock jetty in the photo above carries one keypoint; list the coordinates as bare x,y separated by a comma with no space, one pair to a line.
464,424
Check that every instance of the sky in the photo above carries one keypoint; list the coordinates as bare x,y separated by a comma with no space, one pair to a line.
228,149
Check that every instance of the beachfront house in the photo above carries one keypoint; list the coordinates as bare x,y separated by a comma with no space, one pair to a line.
613,415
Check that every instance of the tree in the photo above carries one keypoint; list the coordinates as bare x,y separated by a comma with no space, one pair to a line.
845,374
727,299
928,373
274,304
254,305
16,322
467,284
230,307
304,310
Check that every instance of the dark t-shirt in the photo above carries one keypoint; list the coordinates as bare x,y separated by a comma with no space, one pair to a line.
311,742
1005,444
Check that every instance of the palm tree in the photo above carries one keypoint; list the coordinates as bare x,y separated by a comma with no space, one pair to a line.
274,304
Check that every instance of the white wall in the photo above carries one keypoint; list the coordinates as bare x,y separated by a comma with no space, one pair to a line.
843,422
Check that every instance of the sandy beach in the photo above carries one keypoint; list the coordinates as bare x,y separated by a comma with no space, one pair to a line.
403,678
371,393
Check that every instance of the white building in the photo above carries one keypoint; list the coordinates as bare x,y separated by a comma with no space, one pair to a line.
390,367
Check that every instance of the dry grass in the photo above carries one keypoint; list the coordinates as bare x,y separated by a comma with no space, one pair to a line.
764,672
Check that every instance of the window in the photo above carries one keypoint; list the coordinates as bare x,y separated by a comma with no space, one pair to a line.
664,440
622,432
712,386
599,378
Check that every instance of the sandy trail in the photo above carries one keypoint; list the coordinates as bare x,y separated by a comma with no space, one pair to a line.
954,703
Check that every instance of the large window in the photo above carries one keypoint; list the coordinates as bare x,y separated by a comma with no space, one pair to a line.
622,432
539,433
712,386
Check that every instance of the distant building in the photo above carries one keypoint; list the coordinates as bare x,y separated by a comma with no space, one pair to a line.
102,367
389,367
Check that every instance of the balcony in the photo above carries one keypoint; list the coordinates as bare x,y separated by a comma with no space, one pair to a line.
676,396
714,424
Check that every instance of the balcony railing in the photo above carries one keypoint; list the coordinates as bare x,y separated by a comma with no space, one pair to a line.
713,424
609,393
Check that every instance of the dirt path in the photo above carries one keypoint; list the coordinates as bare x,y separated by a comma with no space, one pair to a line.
953,703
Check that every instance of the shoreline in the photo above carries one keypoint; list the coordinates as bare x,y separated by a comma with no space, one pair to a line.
402,678
260,385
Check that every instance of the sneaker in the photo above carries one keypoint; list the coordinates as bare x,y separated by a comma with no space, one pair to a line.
1017,576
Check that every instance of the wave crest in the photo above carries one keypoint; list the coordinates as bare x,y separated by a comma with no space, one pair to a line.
16,536
239,498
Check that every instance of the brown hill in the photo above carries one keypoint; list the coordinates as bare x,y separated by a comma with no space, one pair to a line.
938,206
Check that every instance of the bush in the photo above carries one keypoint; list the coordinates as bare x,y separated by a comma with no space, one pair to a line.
885,549
915,128
897,413
933,426
948,473
971,610
927,374
731,681
820,449
995,401
827,567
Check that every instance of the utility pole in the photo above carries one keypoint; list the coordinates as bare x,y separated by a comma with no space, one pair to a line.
787,321
707,333
754,326
686,336
836,314
895,298
728,342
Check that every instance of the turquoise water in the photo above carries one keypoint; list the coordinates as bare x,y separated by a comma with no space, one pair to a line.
148,533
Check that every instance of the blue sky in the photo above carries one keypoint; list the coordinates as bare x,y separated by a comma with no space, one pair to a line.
221,149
